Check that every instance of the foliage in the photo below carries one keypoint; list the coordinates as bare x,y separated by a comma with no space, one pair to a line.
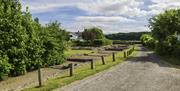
53,43
164,28
165,24
126,42
25,45
108,42
4,66
148,40
94,37
13,37
92,34
126,36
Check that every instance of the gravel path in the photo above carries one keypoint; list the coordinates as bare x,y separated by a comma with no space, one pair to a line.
144,73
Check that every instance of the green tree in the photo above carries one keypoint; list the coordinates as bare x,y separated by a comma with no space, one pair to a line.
34,48
92,34
54,42
164,27
25,45
12,35
165,24
5,67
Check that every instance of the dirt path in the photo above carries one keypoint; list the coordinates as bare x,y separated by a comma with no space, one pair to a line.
143,73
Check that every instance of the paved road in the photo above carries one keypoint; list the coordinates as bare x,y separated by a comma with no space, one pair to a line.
144,73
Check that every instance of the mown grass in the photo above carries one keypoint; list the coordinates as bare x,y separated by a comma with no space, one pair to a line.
80,73
73,52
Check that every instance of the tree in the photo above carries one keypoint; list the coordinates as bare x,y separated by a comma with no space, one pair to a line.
164,27
92,34
34,48
148,40
25,45
165,24
54,42
12,35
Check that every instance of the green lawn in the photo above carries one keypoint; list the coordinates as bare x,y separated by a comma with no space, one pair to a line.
80,73
73,52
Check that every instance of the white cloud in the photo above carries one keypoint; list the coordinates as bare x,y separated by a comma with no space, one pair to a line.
92,7
111,15
129,8
159,6
103,19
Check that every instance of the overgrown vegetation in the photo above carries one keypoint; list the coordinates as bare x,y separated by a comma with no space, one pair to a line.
24,43
163,38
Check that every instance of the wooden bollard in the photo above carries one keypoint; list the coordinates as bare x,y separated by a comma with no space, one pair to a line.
128,53
125,54
71,69
103,61
39,77
113,57
92,64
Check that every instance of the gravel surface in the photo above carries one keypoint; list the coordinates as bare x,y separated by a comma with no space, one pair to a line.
144,73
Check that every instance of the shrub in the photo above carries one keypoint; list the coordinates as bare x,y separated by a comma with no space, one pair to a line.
176,51
98,42
101,42
148,41
4,67
164,49
81,43
26,44
108,42
126,42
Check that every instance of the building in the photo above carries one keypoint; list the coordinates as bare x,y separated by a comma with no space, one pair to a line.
178,36
75,35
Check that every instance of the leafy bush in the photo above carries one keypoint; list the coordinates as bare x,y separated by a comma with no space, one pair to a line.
164,48
148,41
26,44
101,42
82,43
98,42
176,51
125,42
108,42
4,66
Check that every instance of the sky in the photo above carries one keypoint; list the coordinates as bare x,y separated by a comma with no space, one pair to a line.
112,16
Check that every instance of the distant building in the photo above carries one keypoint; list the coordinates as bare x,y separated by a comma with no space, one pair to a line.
75,35
178,36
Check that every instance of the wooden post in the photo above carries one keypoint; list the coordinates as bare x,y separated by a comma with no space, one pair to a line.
113,56
103,62
39,77
128,53
125,54
71,69
92,64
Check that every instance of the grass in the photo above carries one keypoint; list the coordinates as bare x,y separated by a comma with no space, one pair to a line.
73,52
80,73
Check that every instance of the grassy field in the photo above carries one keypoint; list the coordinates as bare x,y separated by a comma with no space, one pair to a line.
80,73
73,52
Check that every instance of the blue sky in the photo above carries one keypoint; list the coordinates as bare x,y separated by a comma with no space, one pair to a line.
111,15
